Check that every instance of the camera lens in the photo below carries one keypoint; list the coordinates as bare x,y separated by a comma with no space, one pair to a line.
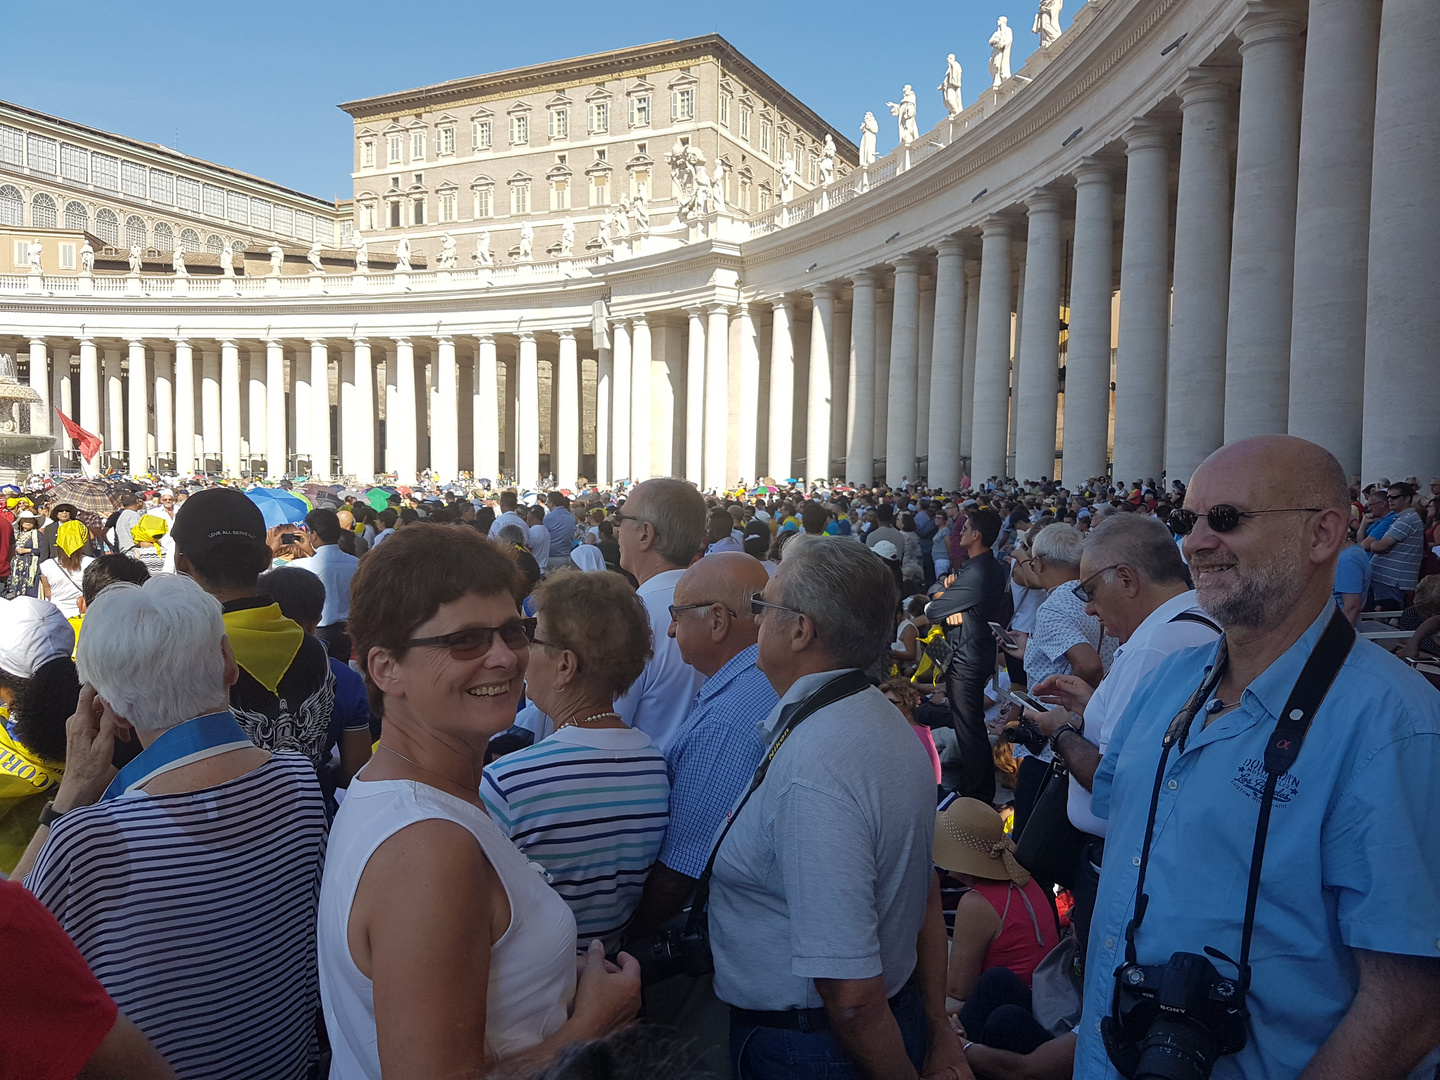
1176,1050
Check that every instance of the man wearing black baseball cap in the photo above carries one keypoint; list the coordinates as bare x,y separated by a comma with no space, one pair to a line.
286,690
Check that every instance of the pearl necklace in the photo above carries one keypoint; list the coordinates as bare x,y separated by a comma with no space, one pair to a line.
588,720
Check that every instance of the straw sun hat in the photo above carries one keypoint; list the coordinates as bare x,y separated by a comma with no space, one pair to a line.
970,839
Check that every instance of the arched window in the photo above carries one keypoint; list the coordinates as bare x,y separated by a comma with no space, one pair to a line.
214,243
42,211
134,231
164,237
189,240
12,207
76,216
107,226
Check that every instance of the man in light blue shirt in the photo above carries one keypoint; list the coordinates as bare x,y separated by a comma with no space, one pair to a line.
560,524
335,568
1345,956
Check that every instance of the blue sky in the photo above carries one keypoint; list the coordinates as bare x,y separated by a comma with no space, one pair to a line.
254,85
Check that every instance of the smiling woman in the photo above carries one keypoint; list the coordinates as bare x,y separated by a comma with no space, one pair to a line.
441,950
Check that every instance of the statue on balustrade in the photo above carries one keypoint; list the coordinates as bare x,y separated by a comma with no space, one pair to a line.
904,112
482,254
787,179
87,258
622,215
277,258
685,160
402,256
136,259
827,161
362,254
606,223
639,213
1047,22
950,86
868,130
702,191
447,252
227,259
567,238
177,261
1000,43
313,256
35,249
527,242
717,186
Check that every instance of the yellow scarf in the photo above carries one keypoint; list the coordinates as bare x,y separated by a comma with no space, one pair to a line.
148,530
71,537
264,642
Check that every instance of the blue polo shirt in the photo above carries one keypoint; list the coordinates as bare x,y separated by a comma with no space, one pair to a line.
1350,857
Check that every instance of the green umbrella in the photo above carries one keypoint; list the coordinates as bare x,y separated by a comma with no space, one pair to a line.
378,498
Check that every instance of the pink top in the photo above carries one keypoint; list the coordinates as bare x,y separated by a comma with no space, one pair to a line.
1027,933
928,741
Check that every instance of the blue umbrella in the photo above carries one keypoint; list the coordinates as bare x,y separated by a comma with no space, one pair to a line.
278,507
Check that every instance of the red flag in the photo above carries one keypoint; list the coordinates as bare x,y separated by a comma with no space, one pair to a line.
89,443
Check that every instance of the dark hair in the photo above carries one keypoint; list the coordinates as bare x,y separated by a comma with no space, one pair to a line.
508,500
987,524
409,516
814,518
300,594
107,570
484,518
885,514
404,581
603,621
129,498
719,526
324,524
41,704
757,545
388,517
234,564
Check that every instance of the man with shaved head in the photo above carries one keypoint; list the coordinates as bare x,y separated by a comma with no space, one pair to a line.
1344,960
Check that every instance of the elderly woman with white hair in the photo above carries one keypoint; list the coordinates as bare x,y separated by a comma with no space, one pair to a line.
188,879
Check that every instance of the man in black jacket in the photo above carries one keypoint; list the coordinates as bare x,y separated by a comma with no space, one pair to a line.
971,601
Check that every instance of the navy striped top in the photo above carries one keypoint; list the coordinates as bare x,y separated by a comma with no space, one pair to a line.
590,805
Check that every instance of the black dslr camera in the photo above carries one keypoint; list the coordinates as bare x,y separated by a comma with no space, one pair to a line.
1027,733
1172,1021
680,948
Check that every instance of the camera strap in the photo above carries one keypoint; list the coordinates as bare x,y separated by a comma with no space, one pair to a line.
1281,750
837,689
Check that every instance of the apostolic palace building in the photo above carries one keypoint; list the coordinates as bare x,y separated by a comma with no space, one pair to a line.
1177,223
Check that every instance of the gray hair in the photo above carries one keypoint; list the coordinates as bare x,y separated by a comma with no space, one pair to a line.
1140,542
1058,544
513,534
678,514
848,592
152,651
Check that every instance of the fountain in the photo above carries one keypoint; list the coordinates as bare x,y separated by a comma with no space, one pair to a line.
16,443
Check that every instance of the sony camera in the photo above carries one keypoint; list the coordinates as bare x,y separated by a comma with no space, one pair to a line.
1027,733
1172,1021
678,949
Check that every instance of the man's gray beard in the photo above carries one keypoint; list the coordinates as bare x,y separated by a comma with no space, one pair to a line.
1261,595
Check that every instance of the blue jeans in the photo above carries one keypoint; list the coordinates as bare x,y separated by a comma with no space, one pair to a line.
765,1053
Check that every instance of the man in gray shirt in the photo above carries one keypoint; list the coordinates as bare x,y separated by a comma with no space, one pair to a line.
825,918
885,530
130,514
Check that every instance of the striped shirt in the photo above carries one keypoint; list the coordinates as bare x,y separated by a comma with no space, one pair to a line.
590,805
196,911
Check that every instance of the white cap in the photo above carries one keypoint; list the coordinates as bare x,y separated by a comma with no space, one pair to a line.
32,633
886,550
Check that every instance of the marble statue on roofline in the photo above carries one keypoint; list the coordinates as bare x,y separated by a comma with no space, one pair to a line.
177,260
87,258
35,249
277,258
136,259
717,185
904,112
1047,22
402,256
827,160
527,241
567,238
227,259
447,252
638,211
482,254
313,256
1000,43
606,223
702,190
869,128
362,253
950,86
787,179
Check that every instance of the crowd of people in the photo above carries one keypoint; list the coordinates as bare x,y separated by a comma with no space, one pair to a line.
790,781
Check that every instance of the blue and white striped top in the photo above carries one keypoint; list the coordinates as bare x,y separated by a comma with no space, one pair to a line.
591,806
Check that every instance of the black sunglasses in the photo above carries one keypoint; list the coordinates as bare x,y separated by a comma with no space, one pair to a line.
1082,590
676,609
1224,518
476,641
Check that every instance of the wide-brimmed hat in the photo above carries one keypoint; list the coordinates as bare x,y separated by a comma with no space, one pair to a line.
970,839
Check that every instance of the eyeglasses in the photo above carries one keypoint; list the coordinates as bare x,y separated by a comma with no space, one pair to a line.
1224,518
476,641
676,609
758,606
1082,590
1392,498
622,517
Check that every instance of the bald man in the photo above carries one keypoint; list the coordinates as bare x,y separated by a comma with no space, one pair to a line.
716,749
1345,959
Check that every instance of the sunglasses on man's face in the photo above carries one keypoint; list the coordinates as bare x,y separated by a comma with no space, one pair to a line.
1224,518
476,641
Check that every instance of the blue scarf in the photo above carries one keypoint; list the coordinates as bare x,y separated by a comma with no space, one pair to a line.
194,740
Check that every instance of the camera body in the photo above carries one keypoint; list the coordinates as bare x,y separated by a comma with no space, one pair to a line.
678,949
1171,1021
1027,733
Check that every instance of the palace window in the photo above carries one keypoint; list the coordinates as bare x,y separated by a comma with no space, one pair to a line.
560,195
214,244
640,110
600,190
445,140
520,129
782,147
395,146
283,219
367,217
260,214
766,129
682,103
164,237
133,179
189,239
448,210
105,172
520,197
395,214
162,187
12,206
238,207
74,163
134,231
67,255
559,123
107,226
367,154
484,200
43,154
599,117
417,211
480,134
22,253
745,113
764,197
417,146
187,193
304,226
42,211
76,216
725,100
12,146
214,200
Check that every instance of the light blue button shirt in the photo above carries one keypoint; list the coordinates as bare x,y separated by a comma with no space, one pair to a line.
1350,857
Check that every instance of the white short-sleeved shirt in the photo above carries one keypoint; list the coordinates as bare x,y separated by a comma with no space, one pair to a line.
65,585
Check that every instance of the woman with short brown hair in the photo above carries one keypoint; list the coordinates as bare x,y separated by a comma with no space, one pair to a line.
441,950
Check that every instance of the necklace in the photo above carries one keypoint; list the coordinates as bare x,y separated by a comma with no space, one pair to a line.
1216,706
422,768
588,720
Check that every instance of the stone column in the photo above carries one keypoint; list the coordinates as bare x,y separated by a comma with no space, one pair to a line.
781,463
277,449
817,412
184,404
967,372
604,379
749,395
114,403
620,399
445,423
527,433
1144,305
89,386
884,321
319,409
717,396
1332,225
567,437
61,391
944,394
1087,359
299,407
903,390
1262,245
1402,396
695,395
210,401
346,417
485,413
164,405
1017,374
138,427
840,384
1040,342
990,426
640,429
41,418
926,368
400,421
230,408
258,431
860,445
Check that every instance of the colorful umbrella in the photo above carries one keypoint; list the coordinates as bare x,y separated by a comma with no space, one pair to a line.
378,498
278,507
85,494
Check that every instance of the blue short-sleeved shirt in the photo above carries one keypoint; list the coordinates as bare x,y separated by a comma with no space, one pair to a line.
1352,574
1350,856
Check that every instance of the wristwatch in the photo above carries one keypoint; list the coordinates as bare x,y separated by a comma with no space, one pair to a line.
1055,738
49,815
